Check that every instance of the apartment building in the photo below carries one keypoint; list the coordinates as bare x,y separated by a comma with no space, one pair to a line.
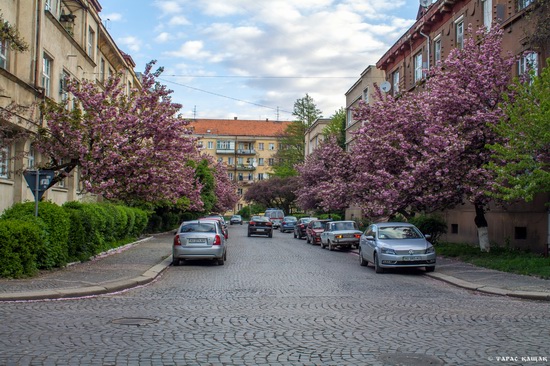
246,147
314,135
441,26
65,38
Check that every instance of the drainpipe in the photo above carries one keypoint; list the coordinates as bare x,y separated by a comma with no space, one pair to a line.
37,59
427,49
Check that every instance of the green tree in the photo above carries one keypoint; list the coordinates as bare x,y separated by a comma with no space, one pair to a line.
306,110
522,162
337,128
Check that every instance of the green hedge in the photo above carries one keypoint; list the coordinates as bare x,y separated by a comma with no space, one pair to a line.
433,225
73,232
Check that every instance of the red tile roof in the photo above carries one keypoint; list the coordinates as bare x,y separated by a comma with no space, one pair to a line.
237,127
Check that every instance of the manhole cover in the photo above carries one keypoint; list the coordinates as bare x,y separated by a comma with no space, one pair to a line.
410,359
134,321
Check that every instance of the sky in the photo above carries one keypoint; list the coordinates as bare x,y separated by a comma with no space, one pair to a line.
252,59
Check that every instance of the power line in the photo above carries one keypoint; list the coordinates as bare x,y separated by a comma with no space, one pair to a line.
262,77
227,97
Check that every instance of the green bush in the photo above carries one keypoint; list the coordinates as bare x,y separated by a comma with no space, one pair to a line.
432,225
18,241
55,226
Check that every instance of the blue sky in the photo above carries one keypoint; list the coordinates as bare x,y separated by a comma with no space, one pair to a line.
252,59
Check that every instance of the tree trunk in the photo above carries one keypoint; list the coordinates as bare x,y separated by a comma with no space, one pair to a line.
482,228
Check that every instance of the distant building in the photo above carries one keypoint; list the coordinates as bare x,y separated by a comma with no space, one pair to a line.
246,147
66,38
314,135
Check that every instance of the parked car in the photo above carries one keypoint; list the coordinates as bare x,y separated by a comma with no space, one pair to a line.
199,239
260,225
276,216
236,219
288,223
396,245
341,234
300,227
221,220
314,229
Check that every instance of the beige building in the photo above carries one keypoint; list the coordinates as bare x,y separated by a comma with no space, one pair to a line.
314,135
65,38
246,147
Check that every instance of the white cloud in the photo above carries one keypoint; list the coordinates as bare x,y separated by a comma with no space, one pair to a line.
113,17
133,43
163,37
178,20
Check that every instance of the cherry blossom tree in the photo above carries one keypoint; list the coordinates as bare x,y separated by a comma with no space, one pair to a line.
324,178
132,147
273,192
427,150
225,189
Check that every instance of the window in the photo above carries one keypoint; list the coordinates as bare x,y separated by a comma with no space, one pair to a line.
3,54
437,50
261,146
418,67
240,191
230,161
240,161
527,62
271,146
4,161
102,70
522,4
454,228
225,145
350,116
260,176
91,42
53,6
366,95
220,160
210,145
230,175
250,176
63,88
271,162
46,74
240,177
395,82
520,233
31,158
260,161
460,34
487,13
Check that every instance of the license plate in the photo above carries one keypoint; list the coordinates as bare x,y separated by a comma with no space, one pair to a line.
196,241
260,229
412,258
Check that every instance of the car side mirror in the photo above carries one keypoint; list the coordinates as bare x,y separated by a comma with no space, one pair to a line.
370,237
427,236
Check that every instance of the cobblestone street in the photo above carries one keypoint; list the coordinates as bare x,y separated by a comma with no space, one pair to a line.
279,301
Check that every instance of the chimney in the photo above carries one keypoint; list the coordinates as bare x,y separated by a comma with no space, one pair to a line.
235,118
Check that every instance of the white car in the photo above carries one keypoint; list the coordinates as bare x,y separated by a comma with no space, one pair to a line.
342,234
396,245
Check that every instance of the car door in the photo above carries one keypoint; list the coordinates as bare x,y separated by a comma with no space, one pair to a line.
367,246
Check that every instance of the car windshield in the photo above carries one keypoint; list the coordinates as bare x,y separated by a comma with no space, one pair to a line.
345,226
290,218
317,225
399,232
200,227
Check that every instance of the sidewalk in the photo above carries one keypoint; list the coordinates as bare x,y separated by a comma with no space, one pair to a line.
141,262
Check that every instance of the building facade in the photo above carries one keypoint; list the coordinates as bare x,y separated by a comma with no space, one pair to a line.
66,39
246,147
314,135
440,27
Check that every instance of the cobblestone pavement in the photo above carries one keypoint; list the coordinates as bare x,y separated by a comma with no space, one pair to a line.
279,301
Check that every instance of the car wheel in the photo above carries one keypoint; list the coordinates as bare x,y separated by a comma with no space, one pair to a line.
330,247
221,261
270,235
377,267
175,262
362,261
249,233
294,233
307,239
430,269
322,245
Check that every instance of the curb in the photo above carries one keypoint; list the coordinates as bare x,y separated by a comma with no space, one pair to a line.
110,287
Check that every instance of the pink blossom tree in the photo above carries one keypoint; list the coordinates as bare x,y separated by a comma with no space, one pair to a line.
128,147
324,178
225,189
427,150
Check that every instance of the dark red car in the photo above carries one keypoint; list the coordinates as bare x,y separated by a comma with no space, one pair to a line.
300,227
314,229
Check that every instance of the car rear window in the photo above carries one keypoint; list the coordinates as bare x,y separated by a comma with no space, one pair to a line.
276,214
202,227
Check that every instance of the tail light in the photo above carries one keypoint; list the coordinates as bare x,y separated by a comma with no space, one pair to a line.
251,223
218,240
177,240
269,223
357,236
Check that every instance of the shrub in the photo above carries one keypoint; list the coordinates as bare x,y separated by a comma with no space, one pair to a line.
18,243
432,225
54,221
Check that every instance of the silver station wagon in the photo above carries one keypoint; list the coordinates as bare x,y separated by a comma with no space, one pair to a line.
199,239
396,245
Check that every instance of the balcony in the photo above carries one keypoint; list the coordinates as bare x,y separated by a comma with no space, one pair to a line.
246,152
245,167
225,151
